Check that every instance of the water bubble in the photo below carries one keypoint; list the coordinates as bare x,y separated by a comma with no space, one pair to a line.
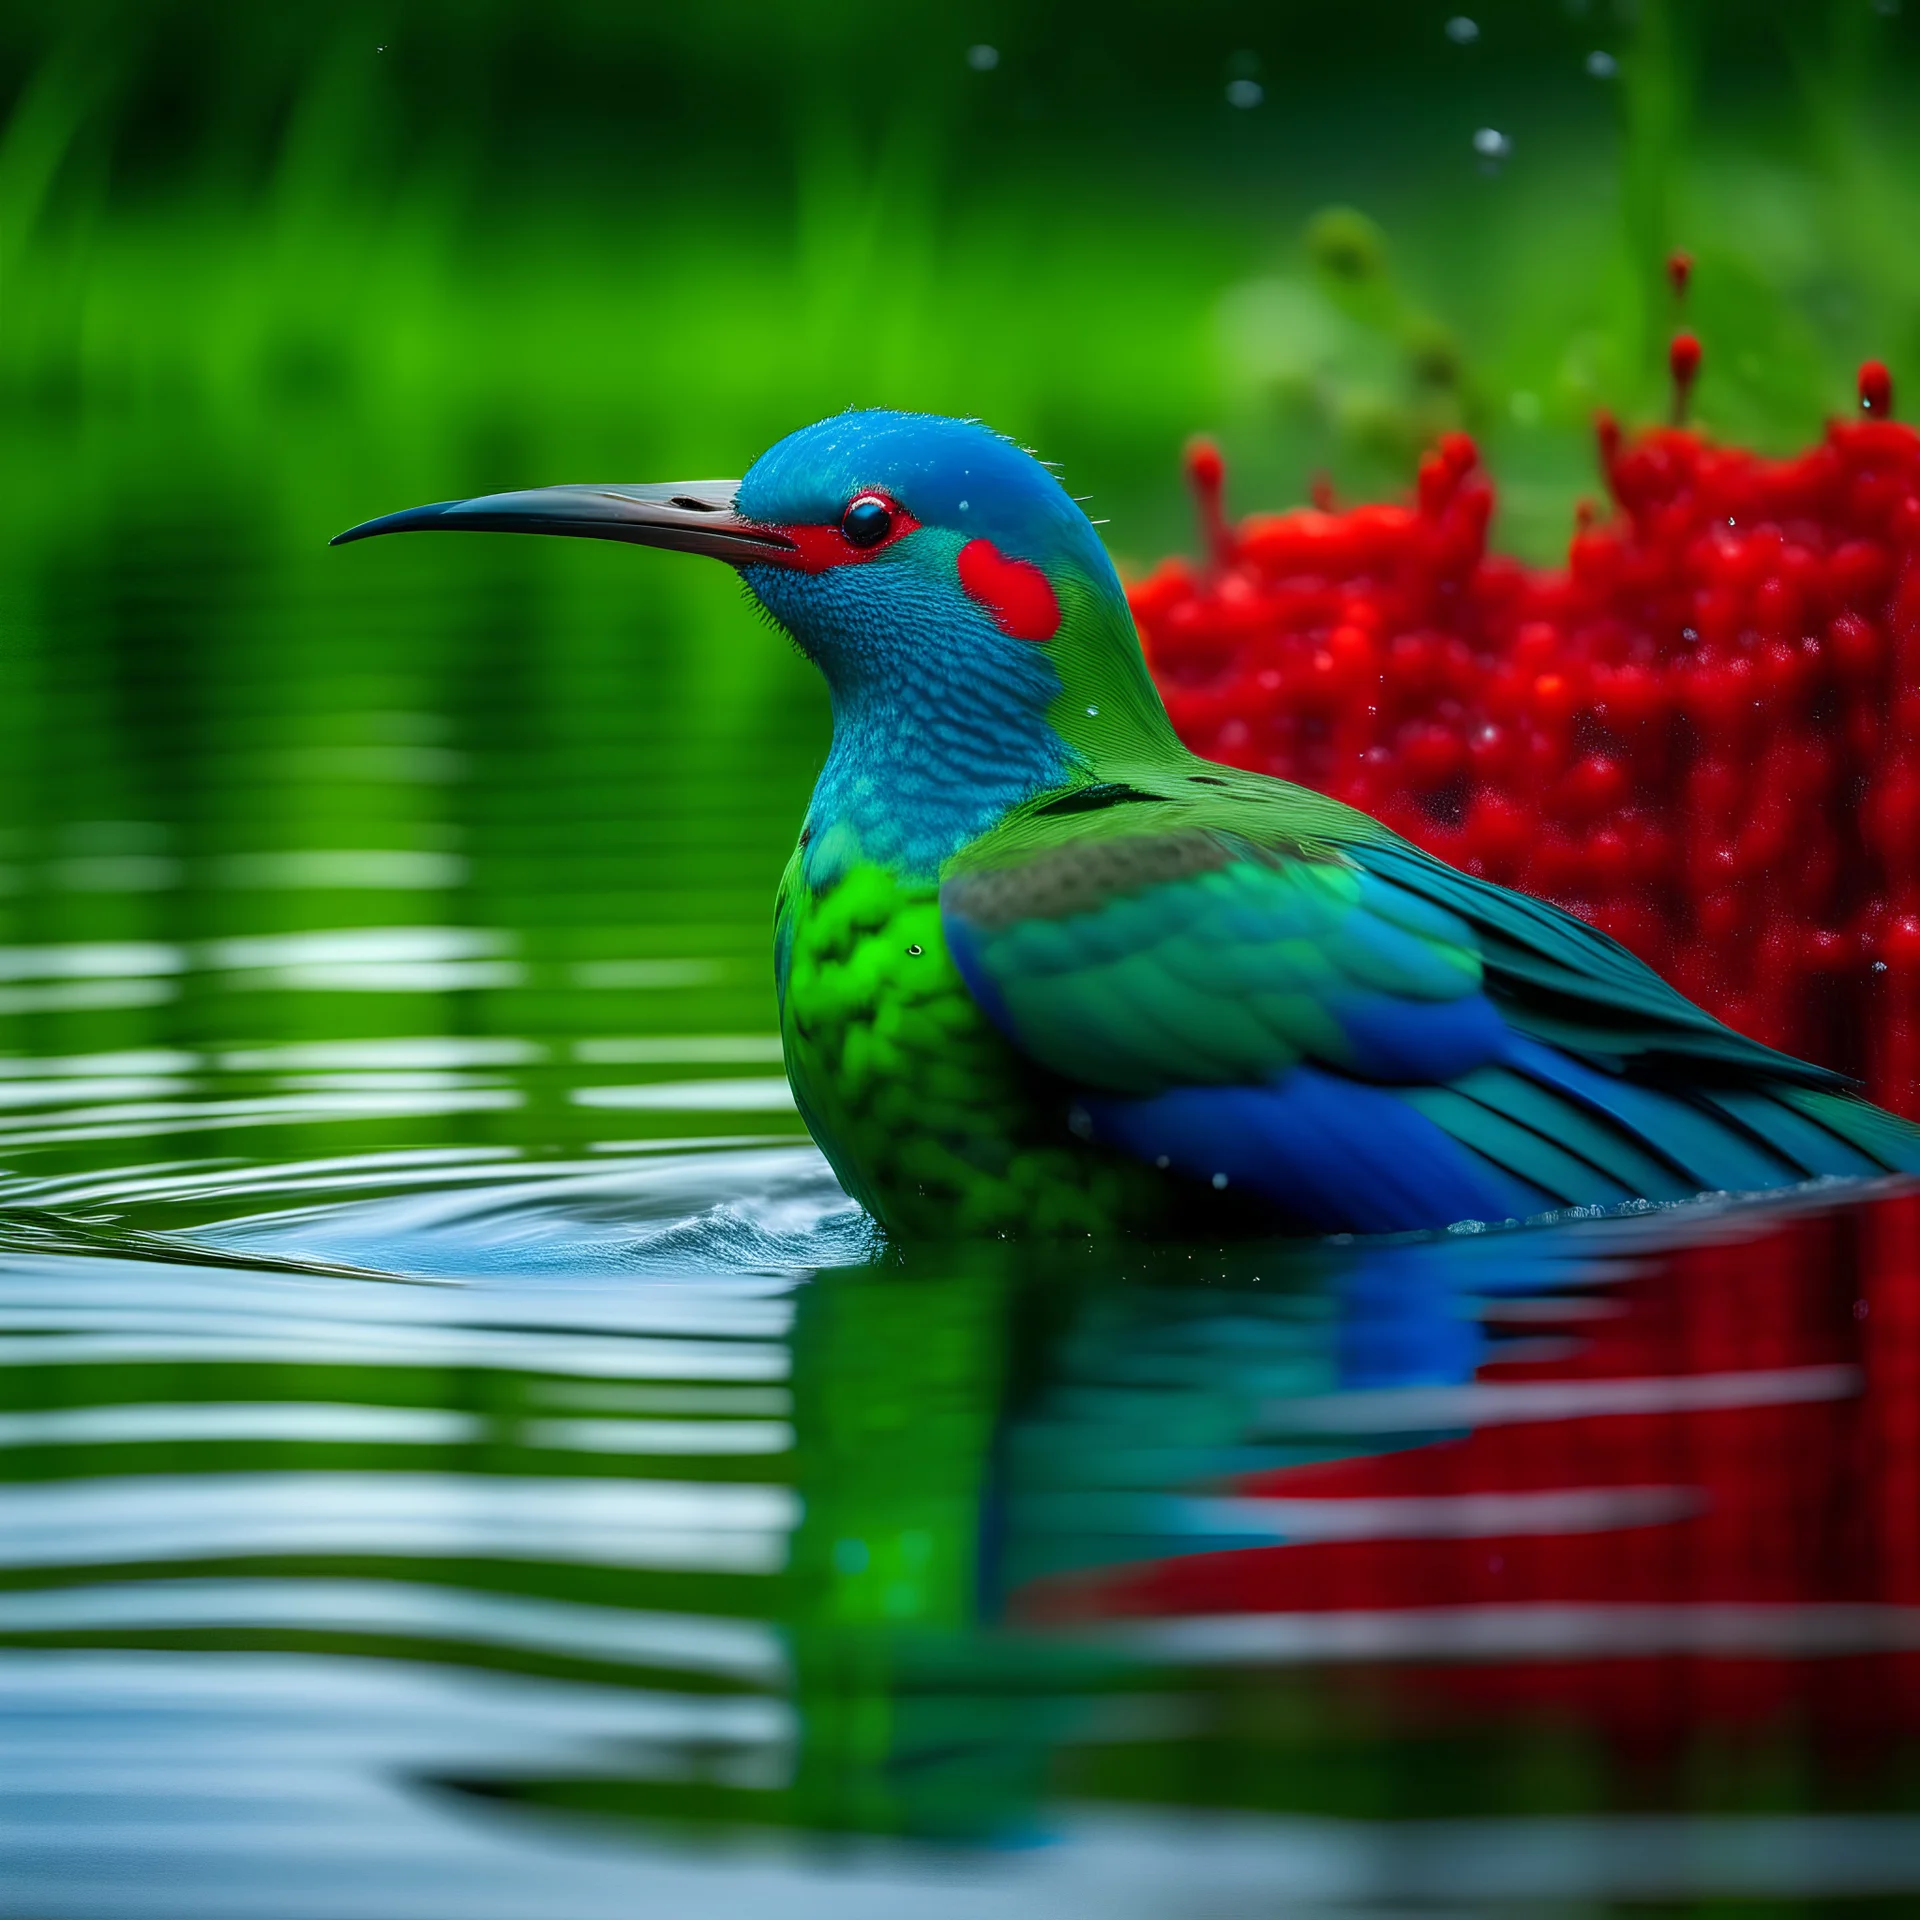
1093,713
1245,93
1601,65
1492,145
1462,31
1219,1183
983,58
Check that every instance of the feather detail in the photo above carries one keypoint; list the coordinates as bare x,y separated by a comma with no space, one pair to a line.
1244,980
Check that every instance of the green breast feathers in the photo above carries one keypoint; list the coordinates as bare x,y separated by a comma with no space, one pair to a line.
928,1116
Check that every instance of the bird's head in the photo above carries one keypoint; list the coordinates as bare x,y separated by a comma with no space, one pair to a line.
909,555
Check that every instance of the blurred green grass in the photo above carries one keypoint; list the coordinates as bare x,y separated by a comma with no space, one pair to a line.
264,272
365,256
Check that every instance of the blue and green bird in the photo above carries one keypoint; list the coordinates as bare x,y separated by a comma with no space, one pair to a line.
1044,971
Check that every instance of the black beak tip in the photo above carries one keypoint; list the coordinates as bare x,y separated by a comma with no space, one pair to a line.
693,517
406,520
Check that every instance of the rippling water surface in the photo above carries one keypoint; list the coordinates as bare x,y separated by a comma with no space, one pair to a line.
460,1453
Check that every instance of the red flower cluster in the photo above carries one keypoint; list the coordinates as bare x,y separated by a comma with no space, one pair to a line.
1702,734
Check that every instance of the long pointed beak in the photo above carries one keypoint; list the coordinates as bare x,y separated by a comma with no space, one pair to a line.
691,516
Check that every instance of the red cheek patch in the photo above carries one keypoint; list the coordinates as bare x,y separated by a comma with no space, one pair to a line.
1015,592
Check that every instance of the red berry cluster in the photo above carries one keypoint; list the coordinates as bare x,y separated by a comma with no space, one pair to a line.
1702,734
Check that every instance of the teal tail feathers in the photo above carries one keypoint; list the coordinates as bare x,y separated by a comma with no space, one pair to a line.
1891,1143
1580,1136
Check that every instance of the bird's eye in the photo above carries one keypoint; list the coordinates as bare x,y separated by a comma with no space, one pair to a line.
867,521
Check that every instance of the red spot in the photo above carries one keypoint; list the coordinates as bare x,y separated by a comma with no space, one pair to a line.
1679,272
1683,362
1015,592
1207,476
1876,388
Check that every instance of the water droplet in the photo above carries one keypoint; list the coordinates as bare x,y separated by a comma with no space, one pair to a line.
1879,966
916,950
1219,1183
1162,1161
1492,146
1601,65
1245,93
1462,31
1093,713
963,506
983,58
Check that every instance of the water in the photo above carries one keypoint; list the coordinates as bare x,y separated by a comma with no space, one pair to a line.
461,1455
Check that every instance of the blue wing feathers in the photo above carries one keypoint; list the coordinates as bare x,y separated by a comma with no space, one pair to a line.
1329,1152
1713,1155
1415,1040
1377,1042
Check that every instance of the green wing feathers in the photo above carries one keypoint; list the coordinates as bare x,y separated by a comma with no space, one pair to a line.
1155,936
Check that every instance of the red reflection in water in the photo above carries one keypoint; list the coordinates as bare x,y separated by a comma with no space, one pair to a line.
1697,1502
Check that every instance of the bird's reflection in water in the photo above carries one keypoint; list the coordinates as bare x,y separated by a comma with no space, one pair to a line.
1609,1518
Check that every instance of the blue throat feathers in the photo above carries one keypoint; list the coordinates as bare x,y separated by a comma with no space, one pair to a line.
939,720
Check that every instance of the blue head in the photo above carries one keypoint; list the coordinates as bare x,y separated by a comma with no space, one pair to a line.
946,579
970,627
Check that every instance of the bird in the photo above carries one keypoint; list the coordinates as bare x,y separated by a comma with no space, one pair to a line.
1044,971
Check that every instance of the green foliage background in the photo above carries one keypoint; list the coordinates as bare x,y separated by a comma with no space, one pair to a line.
267,270
448,245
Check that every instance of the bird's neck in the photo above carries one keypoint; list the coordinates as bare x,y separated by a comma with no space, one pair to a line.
916,771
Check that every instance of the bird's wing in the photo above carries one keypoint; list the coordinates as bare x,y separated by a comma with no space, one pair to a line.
1134,962
1197,958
